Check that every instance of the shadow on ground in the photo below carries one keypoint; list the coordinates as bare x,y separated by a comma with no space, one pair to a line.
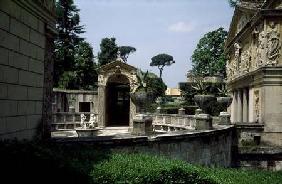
46,162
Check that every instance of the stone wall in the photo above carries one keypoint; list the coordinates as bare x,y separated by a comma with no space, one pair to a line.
23,29
209,148
62,99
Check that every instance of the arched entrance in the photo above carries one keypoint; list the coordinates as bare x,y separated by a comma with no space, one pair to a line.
117,101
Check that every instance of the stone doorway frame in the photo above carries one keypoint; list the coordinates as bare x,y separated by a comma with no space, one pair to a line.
109,70
115,80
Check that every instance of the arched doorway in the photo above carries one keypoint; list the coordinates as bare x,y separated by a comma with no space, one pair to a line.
117,101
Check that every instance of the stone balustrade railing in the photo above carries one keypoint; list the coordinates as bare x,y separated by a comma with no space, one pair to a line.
173,122
70,120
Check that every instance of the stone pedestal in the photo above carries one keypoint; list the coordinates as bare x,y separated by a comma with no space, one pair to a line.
181,111
203,122
71,109
142,125
159,110
224,118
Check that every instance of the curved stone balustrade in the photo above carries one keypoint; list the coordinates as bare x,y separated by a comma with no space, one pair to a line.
173,122
71,120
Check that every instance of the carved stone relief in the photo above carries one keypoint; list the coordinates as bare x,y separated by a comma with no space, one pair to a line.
245,62
261,44
273,44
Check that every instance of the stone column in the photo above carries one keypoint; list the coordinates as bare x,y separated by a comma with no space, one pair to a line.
239,106
233,107
251,105
101,106
245,105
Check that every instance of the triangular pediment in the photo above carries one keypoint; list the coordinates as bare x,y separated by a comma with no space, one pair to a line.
117,65
243,14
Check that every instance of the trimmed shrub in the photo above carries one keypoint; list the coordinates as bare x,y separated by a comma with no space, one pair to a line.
139,169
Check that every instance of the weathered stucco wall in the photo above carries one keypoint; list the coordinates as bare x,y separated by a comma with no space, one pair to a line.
22,55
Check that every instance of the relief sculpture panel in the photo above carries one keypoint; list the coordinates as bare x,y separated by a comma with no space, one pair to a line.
273,44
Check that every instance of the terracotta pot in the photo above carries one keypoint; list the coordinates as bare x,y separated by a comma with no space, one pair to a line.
205,102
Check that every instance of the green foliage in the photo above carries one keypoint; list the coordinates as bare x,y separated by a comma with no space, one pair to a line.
69,29
141,80
240,176
156,85
223,91
209,58
68,80
38,162
125,51
233,3
85,67
149,82
139,168
162,60
109,50
84,74
200,86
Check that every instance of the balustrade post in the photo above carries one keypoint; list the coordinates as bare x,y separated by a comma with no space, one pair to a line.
73,120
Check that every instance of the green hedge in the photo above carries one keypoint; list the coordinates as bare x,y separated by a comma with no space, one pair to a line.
30,162
139,169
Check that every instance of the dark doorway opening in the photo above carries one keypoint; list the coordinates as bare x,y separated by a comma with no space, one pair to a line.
84,106
117,101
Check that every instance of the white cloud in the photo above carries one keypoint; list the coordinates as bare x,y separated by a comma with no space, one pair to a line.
181,26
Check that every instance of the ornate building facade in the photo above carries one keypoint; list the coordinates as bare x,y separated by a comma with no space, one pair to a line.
254,66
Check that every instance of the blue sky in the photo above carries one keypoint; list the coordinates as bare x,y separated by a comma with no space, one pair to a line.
153,27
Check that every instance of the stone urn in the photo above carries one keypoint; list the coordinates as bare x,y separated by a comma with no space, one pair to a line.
141,99
225,101
205,102
142,123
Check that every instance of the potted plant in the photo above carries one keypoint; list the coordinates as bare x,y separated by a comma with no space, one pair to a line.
224,98
141,96
203,98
